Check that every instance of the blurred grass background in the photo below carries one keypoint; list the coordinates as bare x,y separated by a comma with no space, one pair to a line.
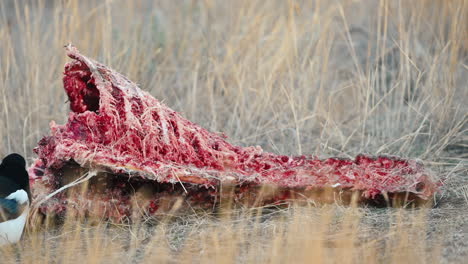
328,78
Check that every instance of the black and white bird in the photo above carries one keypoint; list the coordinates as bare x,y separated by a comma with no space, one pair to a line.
14,198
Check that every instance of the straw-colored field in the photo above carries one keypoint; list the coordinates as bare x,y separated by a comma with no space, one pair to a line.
329,78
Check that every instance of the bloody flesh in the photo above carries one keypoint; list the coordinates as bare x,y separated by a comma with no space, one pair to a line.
117,128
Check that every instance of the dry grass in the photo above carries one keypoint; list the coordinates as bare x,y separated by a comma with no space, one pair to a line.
294,235
296,77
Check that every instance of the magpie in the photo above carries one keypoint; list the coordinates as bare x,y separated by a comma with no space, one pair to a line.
14,198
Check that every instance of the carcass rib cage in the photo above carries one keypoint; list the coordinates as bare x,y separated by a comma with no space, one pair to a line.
117,128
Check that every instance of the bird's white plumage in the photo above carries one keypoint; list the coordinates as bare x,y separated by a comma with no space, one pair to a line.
21,196
11,230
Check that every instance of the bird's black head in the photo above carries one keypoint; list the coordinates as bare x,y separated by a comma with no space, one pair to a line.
13,167
14,159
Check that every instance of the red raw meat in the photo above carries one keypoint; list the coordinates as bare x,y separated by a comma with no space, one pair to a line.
115,127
